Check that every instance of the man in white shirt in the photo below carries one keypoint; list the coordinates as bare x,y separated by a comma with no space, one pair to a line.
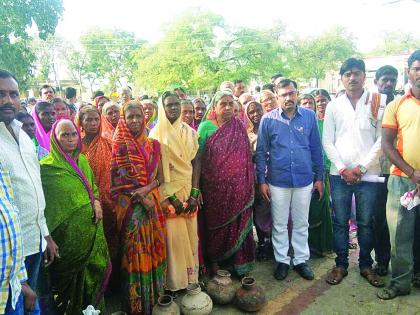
352,141
19,158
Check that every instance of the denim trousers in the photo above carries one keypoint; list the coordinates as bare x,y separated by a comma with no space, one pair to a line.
32,264
401,223
19,307
382,244
366,196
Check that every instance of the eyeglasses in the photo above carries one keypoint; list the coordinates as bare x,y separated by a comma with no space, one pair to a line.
290,94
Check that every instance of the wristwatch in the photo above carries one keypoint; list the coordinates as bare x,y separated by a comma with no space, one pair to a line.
363,169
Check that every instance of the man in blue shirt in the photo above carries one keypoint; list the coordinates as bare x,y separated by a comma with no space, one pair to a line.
289,167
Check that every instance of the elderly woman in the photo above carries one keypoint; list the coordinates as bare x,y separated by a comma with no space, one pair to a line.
320,224
262,211
268,101
150,113
227,182
109,119
179,192
307,101
44,118
187,113
73,212
199,110
98,151
136,174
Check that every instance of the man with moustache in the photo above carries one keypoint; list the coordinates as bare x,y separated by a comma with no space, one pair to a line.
289,168
18,157
352,142
385,80
402,123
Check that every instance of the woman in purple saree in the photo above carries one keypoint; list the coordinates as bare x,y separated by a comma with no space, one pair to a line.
227,182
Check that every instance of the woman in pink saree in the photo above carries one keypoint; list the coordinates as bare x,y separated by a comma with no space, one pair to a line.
227,182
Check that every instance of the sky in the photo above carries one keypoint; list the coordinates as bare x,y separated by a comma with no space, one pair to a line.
366,19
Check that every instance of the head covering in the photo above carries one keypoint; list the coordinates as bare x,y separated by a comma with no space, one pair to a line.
107,128
42,137
150,123
134,159
98,98
250,126
209,115
59,157
175,139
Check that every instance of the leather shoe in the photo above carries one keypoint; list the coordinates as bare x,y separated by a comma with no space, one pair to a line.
304,271
281,271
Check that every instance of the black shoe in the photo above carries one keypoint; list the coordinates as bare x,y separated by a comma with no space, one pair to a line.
281,271
304,271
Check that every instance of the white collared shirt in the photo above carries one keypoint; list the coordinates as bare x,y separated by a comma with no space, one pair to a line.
352,136
22,163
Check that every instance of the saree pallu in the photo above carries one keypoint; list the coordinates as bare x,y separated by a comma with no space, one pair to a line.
228,193
99,154
143,252
321,240
142,233
79,277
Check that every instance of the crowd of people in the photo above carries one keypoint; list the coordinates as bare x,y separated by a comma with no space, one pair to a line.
140,198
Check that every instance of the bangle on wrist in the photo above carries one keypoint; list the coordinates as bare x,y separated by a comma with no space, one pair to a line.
157,182
173,198
195,192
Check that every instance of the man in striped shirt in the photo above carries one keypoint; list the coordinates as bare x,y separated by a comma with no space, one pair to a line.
13,274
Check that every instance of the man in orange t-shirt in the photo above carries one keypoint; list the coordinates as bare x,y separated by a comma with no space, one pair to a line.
402,122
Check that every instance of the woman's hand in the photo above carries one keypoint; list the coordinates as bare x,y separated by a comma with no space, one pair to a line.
148,204
97,215
192,205
139,194
179,207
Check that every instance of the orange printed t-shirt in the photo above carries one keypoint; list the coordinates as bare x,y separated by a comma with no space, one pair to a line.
404,115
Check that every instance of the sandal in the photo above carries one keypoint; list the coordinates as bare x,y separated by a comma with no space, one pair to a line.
336,275
390,293
416,280
372,277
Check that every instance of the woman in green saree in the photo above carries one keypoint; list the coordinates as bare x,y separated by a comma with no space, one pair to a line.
320,225
79,276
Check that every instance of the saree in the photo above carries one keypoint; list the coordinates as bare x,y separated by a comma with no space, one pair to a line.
320,237
80,276
42,137
262,208
179,146
142,233
99,153
227,182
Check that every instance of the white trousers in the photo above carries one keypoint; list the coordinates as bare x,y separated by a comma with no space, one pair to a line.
296,201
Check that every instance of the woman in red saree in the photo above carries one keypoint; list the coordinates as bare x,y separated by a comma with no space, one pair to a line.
227,184
136,174
98,151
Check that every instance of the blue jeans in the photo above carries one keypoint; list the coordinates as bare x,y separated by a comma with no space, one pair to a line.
32,264
366,195
19,307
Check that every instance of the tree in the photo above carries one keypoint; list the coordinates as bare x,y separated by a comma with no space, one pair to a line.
396,42
107,54
311,58
198,51
16,17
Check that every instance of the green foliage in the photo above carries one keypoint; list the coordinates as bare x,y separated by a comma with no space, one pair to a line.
311,58
198,51
16,16
106,55
396,42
